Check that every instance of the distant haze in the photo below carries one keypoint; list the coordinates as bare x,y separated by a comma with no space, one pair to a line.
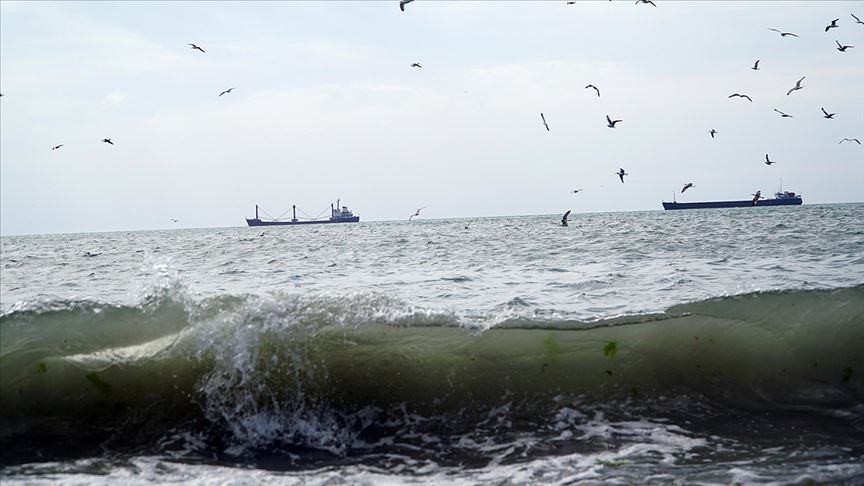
326,105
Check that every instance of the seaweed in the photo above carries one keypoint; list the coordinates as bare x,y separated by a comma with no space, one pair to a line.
610,349
41,367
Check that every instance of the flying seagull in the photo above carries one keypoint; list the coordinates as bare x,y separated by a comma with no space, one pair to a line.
402,4
756,197
595,89
686,186
857,20
564,219
644,1
755,66
768,161
842,48
577,190
107,140
610,122
712,132
828,115
851,140
416,64
544,121
56,147
832,26
226,91
417,213
621,175
194,47
733,95
783,115
784,34
797,86
175,220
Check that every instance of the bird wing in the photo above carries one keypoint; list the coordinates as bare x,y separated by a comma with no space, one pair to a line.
748,98
790,33
775,30
856,141
609,119
856,18
790,91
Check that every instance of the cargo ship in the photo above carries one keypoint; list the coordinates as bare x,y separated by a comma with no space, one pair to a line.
337,215
782,198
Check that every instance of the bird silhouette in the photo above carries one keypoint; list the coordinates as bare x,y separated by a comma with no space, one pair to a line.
784,34
107,140
644,1
797,86
755,66
851,140
712,132
402,4
734,95
416,64
833,25
577,190
564,219
768,161
56,147
686,186
783,115
595,89
857,20
194,47
621,175
828,115
610,122
842,48
226,91
416,213
542,117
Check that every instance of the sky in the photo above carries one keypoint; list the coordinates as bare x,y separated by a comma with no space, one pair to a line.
327,106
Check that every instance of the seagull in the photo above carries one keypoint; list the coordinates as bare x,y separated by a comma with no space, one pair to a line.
226,91
175,220
768,161
832,26
686,186
417,213
194,47
851,140
416,64
564,219
644,1
733,95
797,86
783,115
755,66
56,147
621,174
828,115
402,4
756,197
571,3
857,20
577,190
595,89
842,48
712,132
107,140
544,121
784,34
611,123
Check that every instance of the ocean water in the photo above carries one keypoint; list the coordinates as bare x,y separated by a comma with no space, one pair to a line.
685,347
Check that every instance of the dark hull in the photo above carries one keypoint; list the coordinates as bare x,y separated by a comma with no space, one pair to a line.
258,222
793,201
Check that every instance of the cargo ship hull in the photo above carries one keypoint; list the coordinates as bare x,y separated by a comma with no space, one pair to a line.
258,222
780,199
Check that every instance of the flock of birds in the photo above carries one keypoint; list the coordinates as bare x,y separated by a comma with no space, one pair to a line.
713,132
609,121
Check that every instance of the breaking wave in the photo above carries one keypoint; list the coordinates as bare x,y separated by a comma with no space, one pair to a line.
242,375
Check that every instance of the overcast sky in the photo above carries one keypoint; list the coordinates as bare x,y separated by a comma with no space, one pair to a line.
326,105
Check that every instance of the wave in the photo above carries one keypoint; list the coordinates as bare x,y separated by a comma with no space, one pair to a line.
252,372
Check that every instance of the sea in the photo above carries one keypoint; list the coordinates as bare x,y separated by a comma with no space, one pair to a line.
720,346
